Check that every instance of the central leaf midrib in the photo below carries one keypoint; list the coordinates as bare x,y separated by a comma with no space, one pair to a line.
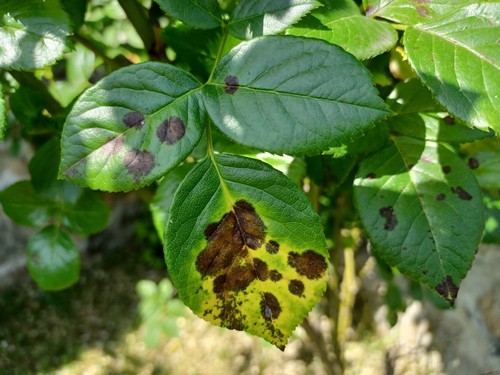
262,13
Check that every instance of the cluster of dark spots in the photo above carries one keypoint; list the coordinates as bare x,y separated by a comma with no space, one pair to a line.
448,120
461,193
448,290
309,264
275,276
390,218
440,197
133,120
171,130
473,163
296,287
446,169
261,269
270,306
371,176
272,247
138,162
232,84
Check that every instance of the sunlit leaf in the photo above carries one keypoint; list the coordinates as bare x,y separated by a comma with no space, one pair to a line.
244,247
486,168
201,14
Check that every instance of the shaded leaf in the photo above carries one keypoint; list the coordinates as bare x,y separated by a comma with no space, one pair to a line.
53,259
486,168
341,23
132,127
458,58
252,19
423,211
201,14
88,215
33,33
412,97
244,247
23,205
492,226
305,96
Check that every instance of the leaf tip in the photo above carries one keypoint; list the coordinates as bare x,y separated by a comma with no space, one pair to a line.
448,290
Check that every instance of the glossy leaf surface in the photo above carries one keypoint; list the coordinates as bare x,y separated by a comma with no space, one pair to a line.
458,58
252,19
33,33
201,14
53,259
132,127
340,23
423,211
292,95
244,247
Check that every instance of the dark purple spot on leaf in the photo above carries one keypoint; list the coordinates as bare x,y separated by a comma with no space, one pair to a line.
272,247
448,290
371,176
275,276
461,193
440,197
390,218
270,306
171,130
232,85
133,119
446,169
473,163
296,287
309,264
139,163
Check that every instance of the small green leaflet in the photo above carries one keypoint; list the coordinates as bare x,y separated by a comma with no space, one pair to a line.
340,22
201,14
255,18
132,127
423,211
53,259
33,33
458,58
305,96
245,248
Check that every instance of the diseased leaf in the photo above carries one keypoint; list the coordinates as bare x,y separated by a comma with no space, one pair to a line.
23,205
252,19
458,58
245,249
88,215
201,14
340,22
492,226
33,33
132,127
486,168
292,95
53,259
423,211
3,115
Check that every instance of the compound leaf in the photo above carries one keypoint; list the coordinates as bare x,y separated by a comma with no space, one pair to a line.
201,14
33,33
423,211
244,247
53,259
341,23
292,95
458,58
132,127
251,19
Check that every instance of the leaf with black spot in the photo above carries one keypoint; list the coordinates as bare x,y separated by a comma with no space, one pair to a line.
244,247
132,127
422,217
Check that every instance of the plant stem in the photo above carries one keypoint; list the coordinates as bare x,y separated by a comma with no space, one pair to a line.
219,54
347,296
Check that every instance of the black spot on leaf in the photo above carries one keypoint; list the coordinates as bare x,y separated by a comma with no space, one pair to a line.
275,276
446,169
371,176
261,269
296,287
139,163
270,306
133,120
309,264
473,163
232,84
440,197
171,130
390,218
448,120
448,290
461,193
272,247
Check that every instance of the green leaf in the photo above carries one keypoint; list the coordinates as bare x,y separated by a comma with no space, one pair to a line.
244,247
292,95
23,205
492,226
132,127
423,211
252,19
53,259
341,23
412,97
407,12
486,168
162,200
458,58
76,10
88,215
33,33
3,115
201,14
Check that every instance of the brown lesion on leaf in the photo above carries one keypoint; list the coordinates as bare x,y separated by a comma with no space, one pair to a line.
133,120
171,130
390,218
139,162
272,247
440,197
232,84
261,269
275,276
270,306
296,287
422,11
461,193
448,289
446,169
309,264
473,163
